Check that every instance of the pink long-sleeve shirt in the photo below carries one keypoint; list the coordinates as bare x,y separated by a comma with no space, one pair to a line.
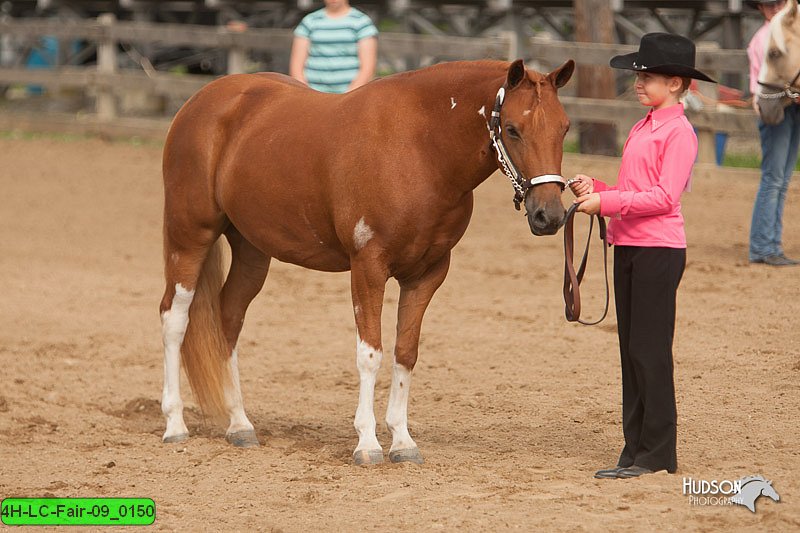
656,168
755,53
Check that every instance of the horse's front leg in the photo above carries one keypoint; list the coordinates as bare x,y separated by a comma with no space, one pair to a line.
368,283
415,295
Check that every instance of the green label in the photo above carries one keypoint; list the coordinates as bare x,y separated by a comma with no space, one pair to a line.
78,511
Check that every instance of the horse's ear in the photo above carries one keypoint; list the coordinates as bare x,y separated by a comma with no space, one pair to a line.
516,73
562,74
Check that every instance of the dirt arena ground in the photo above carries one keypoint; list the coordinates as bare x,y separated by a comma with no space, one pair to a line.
512,407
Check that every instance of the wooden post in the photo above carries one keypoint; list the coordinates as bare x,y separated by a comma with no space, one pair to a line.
594,23
513,44
106,65
236,54
512,27
236,58
706,137
733,38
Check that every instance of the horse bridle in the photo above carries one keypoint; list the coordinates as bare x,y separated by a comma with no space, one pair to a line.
521,186
572,280
788,90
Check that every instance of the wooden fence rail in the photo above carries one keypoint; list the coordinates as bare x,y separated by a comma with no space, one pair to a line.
708,59
107,82
256,39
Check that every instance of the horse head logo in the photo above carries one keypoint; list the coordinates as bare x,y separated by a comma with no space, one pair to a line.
752,488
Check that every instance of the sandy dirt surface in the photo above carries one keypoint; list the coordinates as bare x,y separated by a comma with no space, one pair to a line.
512,407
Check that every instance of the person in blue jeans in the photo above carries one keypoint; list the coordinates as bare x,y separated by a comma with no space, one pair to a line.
779,144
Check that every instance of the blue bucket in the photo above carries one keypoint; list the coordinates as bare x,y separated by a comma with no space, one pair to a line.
45,55
721,139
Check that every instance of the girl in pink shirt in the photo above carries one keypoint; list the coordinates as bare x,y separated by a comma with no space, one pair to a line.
649,247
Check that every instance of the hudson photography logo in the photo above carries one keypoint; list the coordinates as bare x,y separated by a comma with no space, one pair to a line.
744,491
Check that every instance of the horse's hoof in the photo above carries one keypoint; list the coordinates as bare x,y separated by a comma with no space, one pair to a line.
368,457
409,455
180,437
243,439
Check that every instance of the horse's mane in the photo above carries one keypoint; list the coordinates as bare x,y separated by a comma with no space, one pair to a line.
449,65
453,70
776,30
745,480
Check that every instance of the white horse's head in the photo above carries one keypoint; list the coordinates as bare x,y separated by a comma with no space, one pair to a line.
769,491
780,71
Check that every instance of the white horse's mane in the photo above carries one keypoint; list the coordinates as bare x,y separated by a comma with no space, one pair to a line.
776,33
776,29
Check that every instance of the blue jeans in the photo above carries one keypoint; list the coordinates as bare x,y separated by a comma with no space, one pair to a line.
779,145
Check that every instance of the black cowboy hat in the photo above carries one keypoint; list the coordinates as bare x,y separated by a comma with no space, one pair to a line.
662,53
755,3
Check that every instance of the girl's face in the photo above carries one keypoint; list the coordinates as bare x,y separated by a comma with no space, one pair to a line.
771,9
656,90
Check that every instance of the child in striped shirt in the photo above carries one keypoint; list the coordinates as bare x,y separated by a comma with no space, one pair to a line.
334,49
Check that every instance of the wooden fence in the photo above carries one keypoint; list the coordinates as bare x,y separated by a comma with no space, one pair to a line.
106,81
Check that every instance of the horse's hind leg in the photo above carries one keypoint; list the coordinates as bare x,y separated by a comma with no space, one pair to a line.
368,282
249,268
182,270
414,299
174,320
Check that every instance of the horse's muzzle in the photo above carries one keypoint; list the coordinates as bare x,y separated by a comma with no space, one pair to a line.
771,112
545,220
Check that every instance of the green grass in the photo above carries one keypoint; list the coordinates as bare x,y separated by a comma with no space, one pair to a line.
742,160
572,147
17,135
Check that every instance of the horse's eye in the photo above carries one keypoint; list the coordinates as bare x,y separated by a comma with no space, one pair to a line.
774,53
512,132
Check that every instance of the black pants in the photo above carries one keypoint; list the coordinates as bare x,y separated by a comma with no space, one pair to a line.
646,282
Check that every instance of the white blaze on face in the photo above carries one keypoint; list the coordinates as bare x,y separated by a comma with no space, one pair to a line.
526,112
362,234
452,103
482,111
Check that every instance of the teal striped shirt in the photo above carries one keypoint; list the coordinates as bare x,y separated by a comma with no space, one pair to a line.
333,56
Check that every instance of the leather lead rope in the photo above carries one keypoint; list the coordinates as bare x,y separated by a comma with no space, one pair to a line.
572,280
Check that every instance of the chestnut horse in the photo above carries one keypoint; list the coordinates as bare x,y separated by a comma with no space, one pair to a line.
377,181
780,71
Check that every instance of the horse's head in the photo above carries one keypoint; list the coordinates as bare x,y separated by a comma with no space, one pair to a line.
534,125
781,68
768,491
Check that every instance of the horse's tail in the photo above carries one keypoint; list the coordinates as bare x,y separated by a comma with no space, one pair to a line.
205,351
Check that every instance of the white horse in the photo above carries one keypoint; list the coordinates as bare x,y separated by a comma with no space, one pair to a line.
780,71
752,488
